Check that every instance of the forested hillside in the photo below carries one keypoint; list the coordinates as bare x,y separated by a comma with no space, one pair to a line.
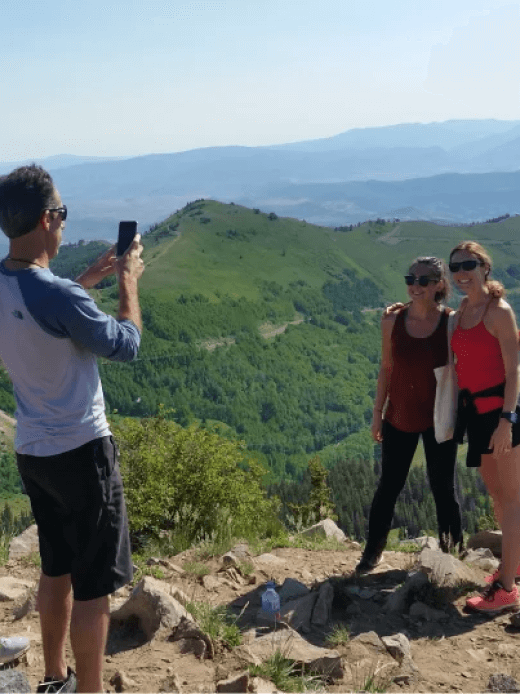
267,329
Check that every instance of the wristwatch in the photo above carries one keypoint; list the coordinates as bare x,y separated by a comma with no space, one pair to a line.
510,416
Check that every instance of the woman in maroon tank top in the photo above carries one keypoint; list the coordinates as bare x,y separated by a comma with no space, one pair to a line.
414,343
485,344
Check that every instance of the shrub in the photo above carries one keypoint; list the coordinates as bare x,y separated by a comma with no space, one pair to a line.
191,478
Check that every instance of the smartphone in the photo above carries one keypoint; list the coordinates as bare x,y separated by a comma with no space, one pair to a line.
127,232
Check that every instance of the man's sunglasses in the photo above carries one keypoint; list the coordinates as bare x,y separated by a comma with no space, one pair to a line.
62,211
422,280
466,265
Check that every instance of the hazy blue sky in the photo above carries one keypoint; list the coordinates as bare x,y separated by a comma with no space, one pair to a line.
102,77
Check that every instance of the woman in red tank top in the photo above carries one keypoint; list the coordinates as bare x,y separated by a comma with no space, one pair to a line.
414,343
485,344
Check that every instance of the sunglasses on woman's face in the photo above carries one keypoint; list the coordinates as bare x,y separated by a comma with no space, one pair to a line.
465,265
422,280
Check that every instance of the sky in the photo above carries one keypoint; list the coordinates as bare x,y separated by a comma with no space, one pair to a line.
113,78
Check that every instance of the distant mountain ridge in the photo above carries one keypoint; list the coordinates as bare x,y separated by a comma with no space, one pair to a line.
340,180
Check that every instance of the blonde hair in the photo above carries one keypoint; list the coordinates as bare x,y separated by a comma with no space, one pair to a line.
495,288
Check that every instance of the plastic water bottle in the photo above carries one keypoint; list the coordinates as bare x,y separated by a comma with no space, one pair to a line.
271,600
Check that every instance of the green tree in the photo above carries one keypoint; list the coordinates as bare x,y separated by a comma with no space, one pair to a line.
192,478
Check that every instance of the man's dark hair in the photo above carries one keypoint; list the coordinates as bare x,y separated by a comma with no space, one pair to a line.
24,194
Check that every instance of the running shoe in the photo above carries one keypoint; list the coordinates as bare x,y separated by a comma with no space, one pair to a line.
52,686
13,647
495,599
496,576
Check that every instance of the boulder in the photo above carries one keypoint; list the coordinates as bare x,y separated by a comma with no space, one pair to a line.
398,646
326,529
399,600
153,607
370,638
492,539
323,606
14,588
237,683
14,681
443,569
121,682
483,558
25,544
322,661
291,590
502,683
269,559
192,639
296,613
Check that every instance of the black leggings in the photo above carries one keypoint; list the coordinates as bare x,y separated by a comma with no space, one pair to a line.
398,449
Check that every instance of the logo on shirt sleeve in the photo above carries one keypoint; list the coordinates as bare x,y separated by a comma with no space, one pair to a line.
18,314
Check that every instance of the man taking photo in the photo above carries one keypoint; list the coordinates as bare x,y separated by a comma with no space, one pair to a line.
51,333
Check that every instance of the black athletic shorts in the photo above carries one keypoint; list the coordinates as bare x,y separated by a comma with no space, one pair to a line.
479,432
78,504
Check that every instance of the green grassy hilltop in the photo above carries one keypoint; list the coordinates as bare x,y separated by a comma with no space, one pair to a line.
267,331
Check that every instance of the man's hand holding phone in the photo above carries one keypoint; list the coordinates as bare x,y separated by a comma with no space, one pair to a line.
131,265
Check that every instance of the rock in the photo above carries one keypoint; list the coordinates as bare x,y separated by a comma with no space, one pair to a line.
322,661
325,528
14,681
323,606
370,638
398,646
210,582
230,559
408,672
154,608
443,569
483,558
492,539
399,599
192,639
153,561
14,588
291,590
171,684
353,610
298,613
502,683
257,685
121,682
179,595
268,559
424,542
237,683
25,606
241,551
515,620
421,611
171,566
25,544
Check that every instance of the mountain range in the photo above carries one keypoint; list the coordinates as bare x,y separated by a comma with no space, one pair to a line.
455,171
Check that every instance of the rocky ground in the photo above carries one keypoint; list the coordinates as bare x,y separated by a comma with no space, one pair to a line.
402,628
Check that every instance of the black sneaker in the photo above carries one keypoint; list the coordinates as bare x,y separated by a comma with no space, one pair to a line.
368,563
52,686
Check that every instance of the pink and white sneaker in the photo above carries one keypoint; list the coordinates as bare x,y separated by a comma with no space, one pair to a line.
495,599
496,576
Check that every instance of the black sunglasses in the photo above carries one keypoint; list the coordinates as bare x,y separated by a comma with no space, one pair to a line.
62,211
422,280
466,265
